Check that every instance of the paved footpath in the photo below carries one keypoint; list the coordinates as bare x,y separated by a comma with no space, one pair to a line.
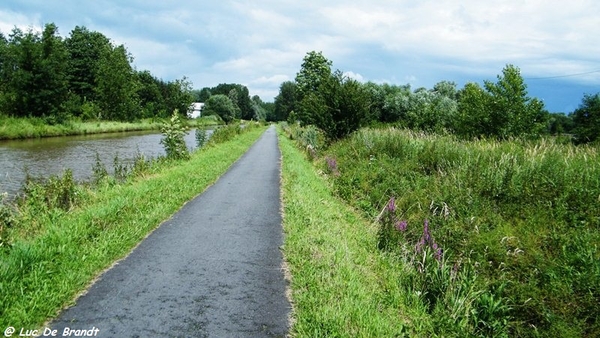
212,270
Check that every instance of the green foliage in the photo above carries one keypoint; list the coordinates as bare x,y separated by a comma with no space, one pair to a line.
503,110
116,86
220,105
240,98
173,140
286,101
228,132
43,75
201,137
54,193
34,73
586,119
315,69
522,215
339,107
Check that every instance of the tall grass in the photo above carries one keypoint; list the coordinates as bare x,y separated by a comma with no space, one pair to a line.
522,219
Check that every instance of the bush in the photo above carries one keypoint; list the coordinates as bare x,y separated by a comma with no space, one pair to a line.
173,137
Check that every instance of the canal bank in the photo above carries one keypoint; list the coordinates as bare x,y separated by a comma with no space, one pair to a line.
28,128
52,156
54,256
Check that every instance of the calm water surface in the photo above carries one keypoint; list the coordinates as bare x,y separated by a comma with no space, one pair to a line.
51,156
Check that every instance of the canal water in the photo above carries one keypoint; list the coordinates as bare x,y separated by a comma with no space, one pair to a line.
52,156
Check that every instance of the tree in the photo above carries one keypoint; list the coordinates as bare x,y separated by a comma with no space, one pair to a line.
286,101
260,113
512,112
241,98
34,73
586,119
503,110
116,86
339,106
314,70
85,50
221,105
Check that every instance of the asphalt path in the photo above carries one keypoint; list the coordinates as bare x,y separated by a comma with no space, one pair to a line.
213,270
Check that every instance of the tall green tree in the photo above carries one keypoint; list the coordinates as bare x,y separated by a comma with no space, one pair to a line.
315,69
586,119
34,73
86,49
286,101
503,110
512,111
117,86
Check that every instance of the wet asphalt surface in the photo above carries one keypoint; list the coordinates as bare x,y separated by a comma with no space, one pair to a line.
212,270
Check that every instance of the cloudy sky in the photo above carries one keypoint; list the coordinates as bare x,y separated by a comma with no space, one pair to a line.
260,44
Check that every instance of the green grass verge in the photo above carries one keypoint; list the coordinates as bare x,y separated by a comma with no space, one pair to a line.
41,273
341,285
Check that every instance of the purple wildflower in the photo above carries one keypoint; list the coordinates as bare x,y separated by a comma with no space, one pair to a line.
401,226
332,165
392,205
437,252
426,233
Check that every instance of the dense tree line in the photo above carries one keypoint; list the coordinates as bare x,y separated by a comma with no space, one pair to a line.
84,75
499,109
232,101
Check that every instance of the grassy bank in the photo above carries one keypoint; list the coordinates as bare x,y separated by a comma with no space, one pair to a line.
342,286
64,235
22,128
493,238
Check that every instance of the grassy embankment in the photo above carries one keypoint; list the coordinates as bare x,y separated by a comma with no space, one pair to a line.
22,128
511,246
340,282
65,234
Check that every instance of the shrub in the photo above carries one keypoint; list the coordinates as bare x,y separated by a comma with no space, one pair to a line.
173,137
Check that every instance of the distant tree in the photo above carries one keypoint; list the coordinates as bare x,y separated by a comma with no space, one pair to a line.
314,70
34,74
503,110
269,108
152,102
339,106
260,113
286,101
179,96
116,85
586,119
512,112
241,98
221,105
430,110
559,123
204,94
85,50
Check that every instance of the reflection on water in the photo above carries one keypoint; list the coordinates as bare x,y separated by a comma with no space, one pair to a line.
51,156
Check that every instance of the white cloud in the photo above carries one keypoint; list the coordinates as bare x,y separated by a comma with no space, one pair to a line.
354,76
258,44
